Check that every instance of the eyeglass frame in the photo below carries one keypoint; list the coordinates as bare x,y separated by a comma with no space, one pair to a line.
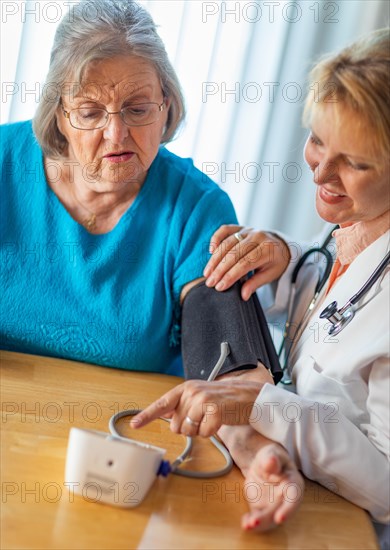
108,113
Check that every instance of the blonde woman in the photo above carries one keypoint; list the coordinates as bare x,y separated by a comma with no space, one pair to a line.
335,428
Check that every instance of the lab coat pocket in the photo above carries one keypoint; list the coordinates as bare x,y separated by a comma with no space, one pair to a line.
313,383
346,396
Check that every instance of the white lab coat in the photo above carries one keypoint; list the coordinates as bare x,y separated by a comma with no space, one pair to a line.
336,427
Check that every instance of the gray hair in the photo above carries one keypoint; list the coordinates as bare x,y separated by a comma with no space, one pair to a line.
95,30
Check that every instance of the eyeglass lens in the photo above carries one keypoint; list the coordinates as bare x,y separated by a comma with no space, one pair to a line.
134,115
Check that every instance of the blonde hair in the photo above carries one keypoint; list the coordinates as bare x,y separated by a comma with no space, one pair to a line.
112,28
357,78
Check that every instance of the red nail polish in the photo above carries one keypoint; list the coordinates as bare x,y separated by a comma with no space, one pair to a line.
257,523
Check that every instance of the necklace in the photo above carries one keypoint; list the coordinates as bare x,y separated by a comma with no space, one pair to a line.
89,222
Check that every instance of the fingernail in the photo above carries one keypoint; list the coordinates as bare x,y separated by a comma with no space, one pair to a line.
220,285
282,519
246,294
210,282
257,523
206,272
134,423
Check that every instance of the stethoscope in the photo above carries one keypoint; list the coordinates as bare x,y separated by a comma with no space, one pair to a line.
338,317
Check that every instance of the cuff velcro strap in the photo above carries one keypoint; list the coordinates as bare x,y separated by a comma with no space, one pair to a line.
210,317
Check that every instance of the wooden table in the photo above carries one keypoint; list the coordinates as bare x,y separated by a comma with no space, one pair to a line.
43,397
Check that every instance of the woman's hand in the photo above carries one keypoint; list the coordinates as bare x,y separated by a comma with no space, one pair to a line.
273,487
201,408
235,256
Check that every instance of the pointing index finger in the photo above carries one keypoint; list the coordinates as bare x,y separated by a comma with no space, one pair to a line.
164,405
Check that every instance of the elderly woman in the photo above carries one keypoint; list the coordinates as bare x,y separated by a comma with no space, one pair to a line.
335,429
101,226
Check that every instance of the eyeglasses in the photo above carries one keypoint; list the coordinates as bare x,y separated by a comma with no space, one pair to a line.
93,118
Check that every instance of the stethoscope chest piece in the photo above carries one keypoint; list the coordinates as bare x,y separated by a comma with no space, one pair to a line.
339,318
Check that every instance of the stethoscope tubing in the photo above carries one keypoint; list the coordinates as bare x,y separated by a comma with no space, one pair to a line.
329,262
370,282
319,286
348,307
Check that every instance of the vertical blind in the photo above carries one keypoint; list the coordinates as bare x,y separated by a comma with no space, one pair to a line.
243,67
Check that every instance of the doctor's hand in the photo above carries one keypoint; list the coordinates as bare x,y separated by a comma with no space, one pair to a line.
201,408
237,250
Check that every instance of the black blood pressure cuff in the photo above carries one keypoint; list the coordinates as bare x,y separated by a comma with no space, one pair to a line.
209,318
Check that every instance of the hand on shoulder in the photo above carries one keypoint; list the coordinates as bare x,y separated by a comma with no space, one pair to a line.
238,250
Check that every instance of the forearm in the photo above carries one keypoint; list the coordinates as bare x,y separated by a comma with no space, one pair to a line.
243,442
323,443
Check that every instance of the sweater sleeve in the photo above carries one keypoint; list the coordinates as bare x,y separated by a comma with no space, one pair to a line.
213,209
